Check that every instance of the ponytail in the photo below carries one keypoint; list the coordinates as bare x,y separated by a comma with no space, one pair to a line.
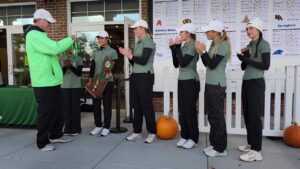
193,36
148,31
259,39
226,38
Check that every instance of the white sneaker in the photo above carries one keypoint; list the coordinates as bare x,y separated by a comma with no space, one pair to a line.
213,153
189,144
105,132
150,138
48,147
74,134
252,156
133,136
96,131
181,142
246,148
208,148
62,139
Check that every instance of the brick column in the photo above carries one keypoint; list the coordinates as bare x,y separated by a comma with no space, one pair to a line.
58,9
144,10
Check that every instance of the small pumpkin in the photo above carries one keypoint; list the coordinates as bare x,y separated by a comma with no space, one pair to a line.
166,127
292,135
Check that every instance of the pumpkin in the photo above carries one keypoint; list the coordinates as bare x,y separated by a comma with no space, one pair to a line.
166,127
292,135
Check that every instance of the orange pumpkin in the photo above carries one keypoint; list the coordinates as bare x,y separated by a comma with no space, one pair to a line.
292,135
166,127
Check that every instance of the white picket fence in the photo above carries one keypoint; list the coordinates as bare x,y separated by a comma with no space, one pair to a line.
282,85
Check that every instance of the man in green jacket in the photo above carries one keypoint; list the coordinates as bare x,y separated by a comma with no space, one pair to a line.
46,78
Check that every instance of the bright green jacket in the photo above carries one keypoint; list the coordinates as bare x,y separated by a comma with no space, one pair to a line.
45,70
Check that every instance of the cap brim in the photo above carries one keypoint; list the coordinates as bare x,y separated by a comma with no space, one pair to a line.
205,28
134,26
185,30
137,25
253,25
101,37
182,29
51,20
179,30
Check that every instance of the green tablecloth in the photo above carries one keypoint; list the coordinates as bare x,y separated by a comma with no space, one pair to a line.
17,106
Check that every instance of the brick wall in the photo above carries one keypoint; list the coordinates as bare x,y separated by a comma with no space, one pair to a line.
58,9
145,9
14,1
158,104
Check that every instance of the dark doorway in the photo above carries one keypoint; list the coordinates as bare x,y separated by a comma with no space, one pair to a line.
116,33
3,57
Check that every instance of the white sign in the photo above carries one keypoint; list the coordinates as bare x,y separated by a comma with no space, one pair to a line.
281,22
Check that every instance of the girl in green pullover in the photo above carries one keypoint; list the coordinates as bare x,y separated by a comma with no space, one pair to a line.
255,60
215,61
185,58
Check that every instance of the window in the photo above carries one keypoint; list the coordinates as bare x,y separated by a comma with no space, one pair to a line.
17,15
104,10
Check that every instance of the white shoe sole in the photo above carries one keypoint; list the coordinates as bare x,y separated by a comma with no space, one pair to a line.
244,150
218,155
139,137
97,134
255,159
207,149
60,141
180,145
46,149
104,135
190,147
149,142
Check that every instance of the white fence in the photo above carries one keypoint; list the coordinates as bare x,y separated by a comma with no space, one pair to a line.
282,86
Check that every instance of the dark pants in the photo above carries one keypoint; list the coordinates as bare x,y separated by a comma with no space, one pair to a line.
253,95
50,117
214,107
188,93
141,85
71,108
107,105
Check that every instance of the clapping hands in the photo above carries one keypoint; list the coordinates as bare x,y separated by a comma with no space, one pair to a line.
245,54
126,52
176,41
200,47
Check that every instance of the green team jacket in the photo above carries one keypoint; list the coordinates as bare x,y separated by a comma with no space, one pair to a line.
44,67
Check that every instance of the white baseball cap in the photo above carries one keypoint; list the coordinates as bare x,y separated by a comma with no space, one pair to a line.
43,14
141,23
256,23
189,27
214,25
102,34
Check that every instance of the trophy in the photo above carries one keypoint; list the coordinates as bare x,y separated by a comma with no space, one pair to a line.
99,81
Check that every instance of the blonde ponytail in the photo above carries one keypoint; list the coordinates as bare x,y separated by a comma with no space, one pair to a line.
226,38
